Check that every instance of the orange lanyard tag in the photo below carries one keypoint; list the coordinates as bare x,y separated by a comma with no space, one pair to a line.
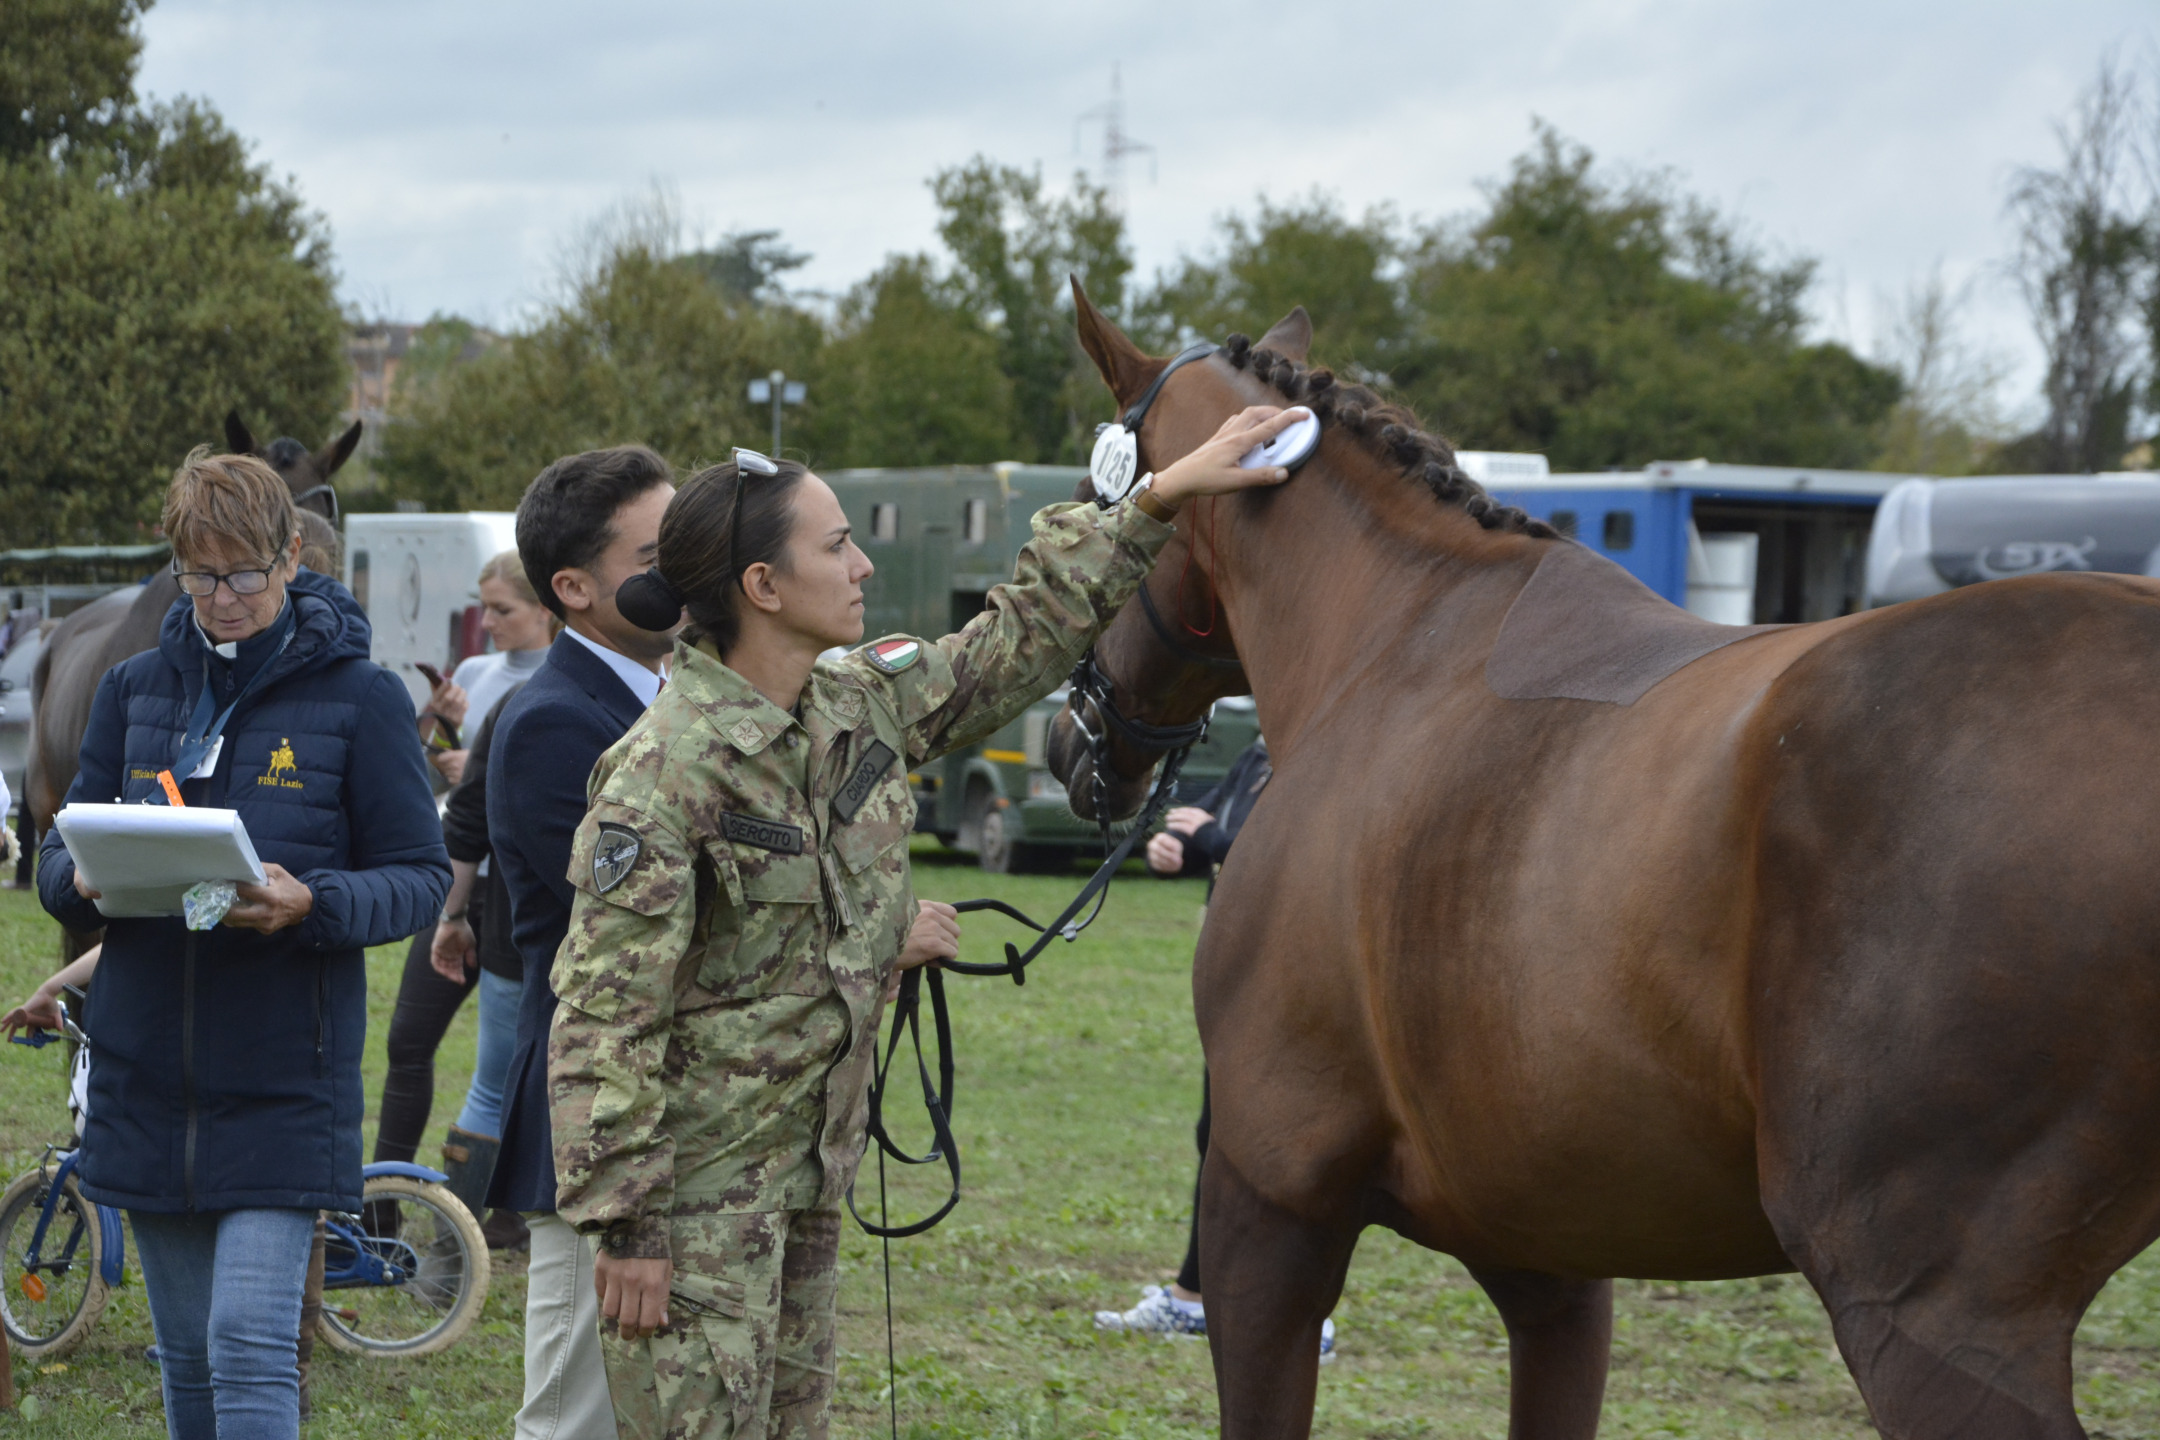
172,791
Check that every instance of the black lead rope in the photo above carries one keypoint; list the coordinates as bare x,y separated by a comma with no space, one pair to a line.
1089,684
907,1018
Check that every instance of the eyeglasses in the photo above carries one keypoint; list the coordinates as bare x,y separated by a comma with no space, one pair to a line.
747,464
205,582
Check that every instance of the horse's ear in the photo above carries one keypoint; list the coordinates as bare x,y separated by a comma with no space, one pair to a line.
337,452
237,439
1292,336
1124,365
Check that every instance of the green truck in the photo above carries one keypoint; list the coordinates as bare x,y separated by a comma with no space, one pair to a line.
941,538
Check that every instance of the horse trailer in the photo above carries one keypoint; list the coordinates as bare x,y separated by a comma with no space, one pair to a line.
1936,535
418,578
1740,544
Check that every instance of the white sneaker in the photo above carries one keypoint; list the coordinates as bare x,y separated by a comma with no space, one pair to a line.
1327,1340
1159,1312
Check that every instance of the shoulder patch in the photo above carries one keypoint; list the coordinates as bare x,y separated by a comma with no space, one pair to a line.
774,835
615,854
894,656
875,761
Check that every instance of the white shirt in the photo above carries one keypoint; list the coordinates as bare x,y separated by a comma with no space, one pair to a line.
643,683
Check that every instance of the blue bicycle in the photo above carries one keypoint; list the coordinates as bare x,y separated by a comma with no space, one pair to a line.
406,1277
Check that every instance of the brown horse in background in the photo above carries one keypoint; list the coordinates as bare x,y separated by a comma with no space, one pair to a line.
100,635
1578,939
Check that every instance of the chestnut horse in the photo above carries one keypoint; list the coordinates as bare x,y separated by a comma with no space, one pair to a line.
97,637
1577,938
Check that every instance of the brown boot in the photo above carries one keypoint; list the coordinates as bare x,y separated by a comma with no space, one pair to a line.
506,1230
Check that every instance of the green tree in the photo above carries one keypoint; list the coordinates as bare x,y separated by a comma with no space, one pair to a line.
911,378
1309,253
1610,325
1012,249
150,280
640,347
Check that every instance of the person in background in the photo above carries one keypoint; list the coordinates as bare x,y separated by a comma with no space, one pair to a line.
1195,840
585,525
225,1103
469,946
520,628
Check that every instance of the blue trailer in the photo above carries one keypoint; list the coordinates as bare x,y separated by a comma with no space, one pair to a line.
1738,543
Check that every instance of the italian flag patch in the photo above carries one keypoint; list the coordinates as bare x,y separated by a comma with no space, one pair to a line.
893,656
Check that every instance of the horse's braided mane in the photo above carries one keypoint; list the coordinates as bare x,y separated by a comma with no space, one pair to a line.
1388,431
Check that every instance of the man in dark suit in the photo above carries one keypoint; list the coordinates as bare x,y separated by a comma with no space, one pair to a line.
585,525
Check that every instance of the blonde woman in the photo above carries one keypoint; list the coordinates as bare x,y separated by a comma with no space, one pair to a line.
469,948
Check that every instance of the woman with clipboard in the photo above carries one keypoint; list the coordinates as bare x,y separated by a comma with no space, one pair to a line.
259,698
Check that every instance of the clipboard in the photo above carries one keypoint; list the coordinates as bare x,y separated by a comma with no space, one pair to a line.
143,858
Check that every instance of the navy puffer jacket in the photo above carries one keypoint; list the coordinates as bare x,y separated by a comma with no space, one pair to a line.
225,1065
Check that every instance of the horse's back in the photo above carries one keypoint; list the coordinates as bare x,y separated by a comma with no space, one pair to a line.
1956,963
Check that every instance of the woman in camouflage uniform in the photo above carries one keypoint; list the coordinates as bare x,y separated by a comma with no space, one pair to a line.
744,899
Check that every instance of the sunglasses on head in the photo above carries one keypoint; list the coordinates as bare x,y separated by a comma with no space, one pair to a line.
748,463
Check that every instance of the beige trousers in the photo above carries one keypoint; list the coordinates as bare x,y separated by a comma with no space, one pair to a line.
566,1388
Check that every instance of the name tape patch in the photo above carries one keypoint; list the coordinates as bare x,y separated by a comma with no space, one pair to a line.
875,762
774,835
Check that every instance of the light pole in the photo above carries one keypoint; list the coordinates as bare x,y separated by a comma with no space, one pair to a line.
780,390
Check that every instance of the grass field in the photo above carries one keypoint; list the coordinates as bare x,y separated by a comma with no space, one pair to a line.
1076,1101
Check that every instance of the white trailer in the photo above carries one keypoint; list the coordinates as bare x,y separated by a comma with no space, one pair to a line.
418,579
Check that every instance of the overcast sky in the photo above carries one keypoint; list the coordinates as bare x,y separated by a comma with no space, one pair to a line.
456,147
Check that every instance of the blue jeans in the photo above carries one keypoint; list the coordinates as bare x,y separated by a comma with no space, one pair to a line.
224,1293
499,1000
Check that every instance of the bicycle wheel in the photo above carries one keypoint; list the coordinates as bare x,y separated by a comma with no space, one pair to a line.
47,1311
409,1281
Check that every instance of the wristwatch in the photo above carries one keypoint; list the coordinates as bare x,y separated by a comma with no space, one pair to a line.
1151,504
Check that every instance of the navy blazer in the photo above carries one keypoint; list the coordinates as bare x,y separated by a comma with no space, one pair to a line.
548,737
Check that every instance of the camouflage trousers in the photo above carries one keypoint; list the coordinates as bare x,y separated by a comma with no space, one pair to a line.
747,1353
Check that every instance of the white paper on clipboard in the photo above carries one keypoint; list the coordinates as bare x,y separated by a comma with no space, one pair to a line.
143,858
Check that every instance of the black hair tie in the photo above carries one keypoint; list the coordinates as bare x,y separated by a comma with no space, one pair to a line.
649,602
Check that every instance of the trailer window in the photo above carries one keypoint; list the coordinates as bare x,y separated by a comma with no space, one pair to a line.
885,522
1566,522
1619,529
360,577
975,522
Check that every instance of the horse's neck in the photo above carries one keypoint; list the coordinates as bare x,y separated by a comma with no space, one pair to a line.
1331,584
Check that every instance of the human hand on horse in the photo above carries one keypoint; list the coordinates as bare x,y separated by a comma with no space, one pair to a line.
454,950
269,907
633,1292
1213,468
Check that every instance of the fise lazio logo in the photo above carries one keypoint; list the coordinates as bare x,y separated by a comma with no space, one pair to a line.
282,766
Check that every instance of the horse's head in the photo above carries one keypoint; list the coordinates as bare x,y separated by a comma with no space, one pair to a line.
1168,655
307,474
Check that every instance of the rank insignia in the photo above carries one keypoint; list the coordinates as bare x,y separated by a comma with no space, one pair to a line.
615,855
893,656
746,734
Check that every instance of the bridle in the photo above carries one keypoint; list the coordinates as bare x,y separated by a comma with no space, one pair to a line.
1091,691
324,489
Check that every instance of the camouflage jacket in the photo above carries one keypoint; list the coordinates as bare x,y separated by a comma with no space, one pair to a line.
743,892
